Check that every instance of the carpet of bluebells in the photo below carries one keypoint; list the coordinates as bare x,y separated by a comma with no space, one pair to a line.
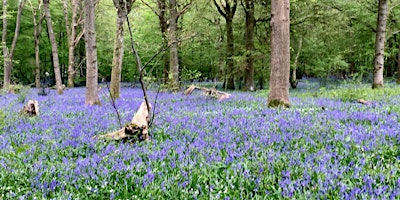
200,148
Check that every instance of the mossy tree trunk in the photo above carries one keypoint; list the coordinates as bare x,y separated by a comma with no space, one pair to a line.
280,54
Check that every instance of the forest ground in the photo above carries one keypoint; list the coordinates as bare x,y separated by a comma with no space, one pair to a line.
326,145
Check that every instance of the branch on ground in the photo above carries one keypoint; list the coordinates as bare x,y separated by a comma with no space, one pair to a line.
209,92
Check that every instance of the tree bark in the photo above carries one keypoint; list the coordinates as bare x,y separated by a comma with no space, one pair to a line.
227,10
174,58
118,55
8,55
54,50
92,97
398,66
73,38
164,33
249,65
37,29
293,79
280,54
380,44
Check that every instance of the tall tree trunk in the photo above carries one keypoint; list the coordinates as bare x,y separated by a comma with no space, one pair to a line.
230,66
8,56
118,55
227,9
174,58
92,97
54,50
123,8
164,32
73,38
398,66
280,54
249,65
380,44
37,29
293,79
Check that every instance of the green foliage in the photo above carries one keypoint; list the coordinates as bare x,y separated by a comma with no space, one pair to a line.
189,75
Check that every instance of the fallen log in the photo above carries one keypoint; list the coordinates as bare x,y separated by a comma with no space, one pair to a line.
136,130
210,92
31,108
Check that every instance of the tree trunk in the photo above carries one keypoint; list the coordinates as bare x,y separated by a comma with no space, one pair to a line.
398,66
280,54
228,12
164,32
9,55
174,58
54,50
293,79
118,55
92,97
37,29
73,39
380,44
249,65
230,52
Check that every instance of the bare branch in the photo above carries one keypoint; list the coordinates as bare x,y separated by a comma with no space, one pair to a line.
219,9
151,8
185,8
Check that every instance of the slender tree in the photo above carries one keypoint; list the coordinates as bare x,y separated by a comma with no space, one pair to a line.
38,17
8,55
398,66
380,44
293,78
54,49
248,6
74,37
123,8
92,97
227,9
162,14
280,54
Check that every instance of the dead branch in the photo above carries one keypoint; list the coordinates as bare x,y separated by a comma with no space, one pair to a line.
364,102
31,108
210,92
136,130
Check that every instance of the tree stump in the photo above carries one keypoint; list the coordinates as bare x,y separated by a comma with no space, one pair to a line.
136,130
31,108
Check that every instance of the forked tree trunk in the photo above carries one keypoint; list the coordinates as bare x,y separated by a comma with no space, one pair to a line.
54,49
380,44
280,54
118,55
8,55
73,38
249,65
92,97
37,29
227,9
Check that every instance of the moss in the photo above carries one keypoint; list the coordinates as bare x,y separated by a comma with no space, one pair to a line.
278,103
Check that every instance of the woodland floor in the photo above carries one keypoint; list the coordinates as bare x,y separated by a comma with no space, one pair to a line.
326,145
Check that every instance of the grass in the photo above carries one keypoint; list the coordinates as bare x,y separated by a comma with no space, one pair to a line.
205,149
